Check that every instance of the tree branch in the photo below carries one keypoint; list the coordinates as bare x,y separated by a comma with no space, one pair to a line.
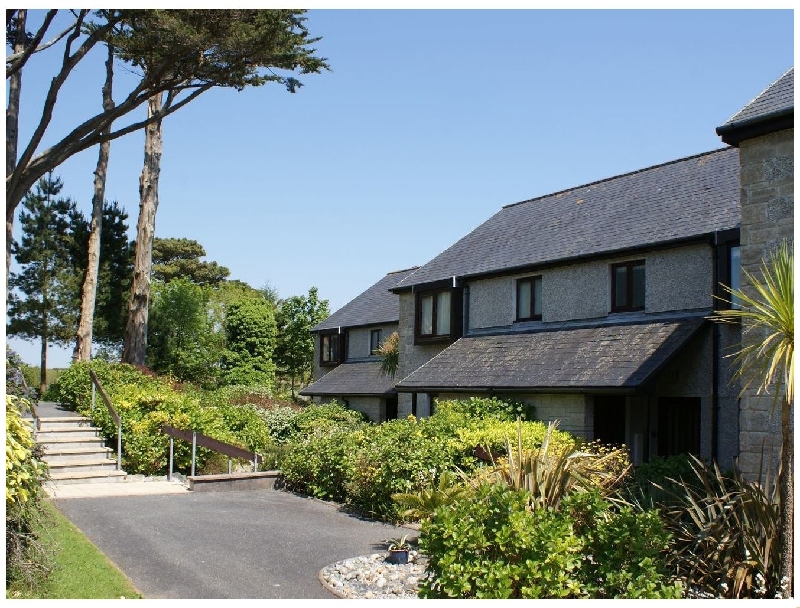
18,60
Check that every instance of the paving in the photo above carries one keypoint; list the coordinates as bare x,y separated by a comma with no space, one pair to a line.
173,543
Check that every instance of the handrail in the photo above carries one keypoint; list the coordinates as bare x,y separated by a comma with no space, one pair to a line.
114,415
37,425
205,441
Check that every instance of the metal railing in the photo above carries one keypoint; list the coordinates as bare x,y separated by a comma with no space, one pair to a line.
198,439
114,416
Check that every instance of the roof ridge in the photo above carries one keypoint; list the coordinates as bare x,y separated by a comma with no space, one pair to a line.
403,270
614,177
764,90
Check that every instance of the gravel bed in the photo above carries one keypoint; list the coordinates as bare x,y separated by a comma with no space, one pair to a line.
372,577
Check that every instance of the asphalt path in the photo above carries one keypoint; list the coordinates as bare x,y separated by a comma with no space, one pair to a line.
258,544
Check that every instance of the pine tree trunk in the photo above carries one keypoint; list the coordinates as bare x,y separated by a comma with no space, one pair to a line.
786,492
135,348
43,365
12,131
83,339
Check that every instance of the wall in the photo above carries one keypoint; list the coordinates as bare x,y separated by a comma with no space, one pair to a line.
358,339
676,279
767,178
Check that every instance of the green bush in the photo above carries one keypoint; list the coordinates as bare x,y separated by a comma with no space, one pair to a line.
394,457
26,559
495,546
281,422
146,403
320,464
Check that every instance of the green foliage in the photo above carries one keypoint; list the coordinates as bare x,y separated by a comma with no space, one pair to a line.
397,456
655,484
726,534
389,352
318,419
25,472
17,373
281,422
421,505
250,332
294,352
43,295
486,408
181,338
493,545
554,470
146,403
180,258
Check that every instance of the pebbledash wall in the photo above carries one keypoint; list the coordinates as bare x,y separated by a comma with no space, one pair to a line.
767,196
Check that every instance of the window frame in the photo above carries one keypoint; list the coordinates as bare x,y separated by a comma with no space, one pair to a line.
455,313
332,361
629,266
532,281
374,345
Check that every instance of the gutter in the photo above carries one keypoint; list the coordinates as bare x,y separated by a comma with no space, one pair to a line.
734,133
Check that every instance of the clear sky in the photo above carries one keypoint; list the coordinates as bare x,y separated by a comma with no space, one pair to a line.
428,123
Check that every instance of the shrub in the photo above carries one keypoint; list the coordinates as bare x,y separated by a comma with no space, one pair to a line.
26,560
322,418
394,457
496,546
320,464
281,423
726,534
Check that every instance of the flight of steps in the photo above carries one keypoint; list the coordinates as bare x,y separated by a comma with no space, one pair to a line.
75,452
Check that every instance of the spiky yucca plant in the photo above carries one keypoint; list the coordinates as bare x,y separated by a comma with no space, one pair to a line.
725,533
389,352
551,472
420,505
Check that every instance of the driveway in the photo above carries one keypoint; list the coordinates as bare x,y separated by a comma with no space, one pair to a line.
265,544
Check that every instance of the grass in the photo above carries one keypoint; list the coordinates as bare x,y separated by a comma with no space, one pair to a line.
80,570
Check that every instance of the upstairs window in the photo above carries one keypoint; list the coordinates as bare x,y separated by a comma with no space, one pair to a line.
434,314
529,299
374,341
627,286
438,315
330,349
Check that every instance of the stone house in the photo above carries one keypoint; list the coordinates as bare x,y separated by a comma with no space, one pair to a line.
763,131
592,303
346,367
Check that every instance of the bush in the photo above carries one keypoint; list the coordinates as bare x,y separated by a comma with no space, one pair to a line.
496,546
281,422
26,560
320,464
145,404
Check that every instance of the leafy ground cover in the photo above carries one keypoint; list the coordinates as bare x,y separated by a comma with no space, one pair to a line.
79,569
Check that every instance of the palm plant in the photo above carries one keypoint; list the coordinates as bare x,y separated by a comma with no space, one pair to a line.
766,358
389,352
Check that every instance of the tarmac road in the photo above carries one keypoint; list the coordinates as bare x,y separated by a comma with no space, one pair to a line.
264,544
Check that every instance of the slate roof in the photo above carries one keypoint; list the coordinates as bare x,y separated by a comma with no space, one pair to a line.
683,199
376,305
349,379
615,357
771,110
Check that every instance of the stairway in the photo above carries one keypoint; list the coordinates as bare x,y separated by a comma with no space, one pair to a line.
75,452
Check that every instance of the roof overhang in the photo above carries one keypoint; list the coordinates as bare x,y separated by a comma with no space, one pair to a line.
362,378
734,133
620,359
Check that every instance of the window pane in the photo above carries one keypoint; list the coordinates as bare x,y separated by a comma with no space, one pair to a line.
523,299
426,315
537,296
374,340
326,345
620,287
736,268
334,348
638,286
443,313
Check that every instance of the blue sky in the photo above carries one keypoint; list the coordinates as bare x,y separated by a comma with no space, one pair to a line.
428,123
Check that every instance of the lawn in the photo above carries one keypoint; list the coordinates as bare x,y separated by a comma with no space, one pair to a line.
80,570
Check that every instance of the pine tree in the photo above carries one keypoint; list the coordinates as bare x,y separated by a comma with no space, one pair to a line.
42,295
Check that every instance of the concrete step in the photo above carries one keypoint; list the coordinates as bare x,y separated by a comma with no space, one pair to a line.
60,478
62,423
60,454
77,431
80,466
70,442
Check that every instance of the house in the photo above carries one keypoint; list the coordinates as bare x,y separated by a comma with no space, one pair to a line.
346,366
590,304
763,131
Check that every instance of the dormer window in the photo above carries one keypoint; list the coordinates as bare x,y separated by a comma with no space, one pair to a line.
374,341
330,349
627,286
529,299
438,314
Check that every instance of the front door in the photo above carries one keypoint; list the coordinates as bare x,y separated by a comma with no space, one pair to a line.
678,425
609,419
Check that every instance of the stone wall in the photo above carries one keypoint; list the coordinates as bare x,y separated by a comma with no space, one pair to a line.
767,196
